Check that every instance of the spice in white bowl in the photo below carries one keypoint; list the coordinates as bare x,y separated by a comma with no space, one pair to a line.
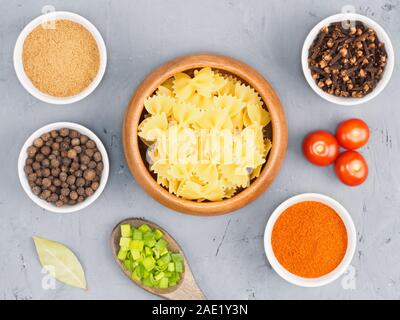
310,240
322,82
63,167
66,35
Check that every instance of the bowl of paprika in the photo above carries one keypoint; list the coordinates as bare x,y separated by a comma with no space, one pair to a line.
310,240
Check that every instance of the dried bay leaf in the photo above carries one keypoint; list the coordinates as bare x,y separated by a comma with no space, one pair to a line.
60,262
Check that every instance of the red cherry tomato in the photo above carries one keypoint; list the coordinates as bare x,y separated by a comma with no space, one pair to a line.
352,134
320,148
351,168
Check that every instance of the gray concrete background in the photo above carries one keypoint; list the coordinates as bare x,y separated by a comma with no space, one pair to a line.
226,253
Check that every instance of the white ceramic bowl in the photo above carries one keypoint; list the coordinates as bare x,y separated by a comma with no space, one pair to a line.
383,37
24,181
351,241
19,68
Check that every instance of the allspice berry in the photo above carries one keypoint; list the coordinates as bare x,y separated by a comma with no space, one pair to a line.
89,152
36,190
45,136
28,169
85,159
80,191
89,191
75,142
55,172
39,157
95,186
71,179
63,176
90,144
55,146
45,150
57,182
46,183
73,134
89,174
36,165
38,143
73,195
64,132
55,163
65,191
97,156
45,194
72,153
84,139
59,203
80,182
92,164
32,151
53,197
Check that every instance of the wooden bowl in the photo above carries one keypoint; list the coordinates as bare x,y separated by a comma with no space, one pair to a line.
133,147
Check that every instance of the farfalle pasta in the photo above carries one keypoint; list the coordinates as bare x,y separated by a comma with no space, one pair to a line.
205,135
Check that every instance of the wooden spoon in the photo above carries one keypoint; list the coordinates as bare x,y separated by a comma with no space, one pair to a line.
186,289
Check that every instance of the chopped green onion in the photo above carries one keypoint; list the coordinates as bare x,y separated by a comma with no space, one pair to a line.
135,254
164,260
179,267
171,266
137,244
149,263
144,253
122,254
144,228
128,265
149,239
176,257
137,234
126,230
158,234
161,243
148,251
124,242
159,276
163,251
163,283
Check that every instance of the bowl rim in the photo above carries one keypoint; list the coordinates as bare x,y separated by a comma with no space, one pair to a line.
23,156
383,37
351,241
26,82
134,111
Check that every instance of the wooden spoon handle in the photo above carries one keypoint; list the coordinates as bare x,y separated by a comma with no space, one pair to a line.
188,290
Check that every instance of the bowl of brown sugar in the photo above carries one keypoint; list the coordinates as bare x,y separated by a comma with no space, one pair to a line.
60,57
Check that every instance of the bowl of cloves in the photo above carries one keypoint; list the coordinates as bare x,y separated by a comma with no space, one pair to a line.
347,59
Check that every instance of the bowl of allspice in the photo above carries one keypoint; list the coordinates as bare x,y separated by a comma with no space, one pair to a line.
348,59
63,167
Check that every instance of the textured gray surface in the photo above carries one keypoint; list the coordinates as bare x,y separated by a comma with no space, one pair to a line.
226,253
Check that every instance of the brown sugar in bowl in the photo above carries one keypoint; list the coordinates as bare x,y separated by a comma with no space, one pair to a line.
133,147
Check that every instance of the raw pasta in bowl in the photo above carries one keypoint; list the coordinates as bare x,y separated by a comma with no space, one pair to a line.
206,133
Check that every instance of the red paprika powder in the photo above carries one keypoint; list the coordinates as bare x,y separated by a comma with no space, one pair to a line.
309,239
